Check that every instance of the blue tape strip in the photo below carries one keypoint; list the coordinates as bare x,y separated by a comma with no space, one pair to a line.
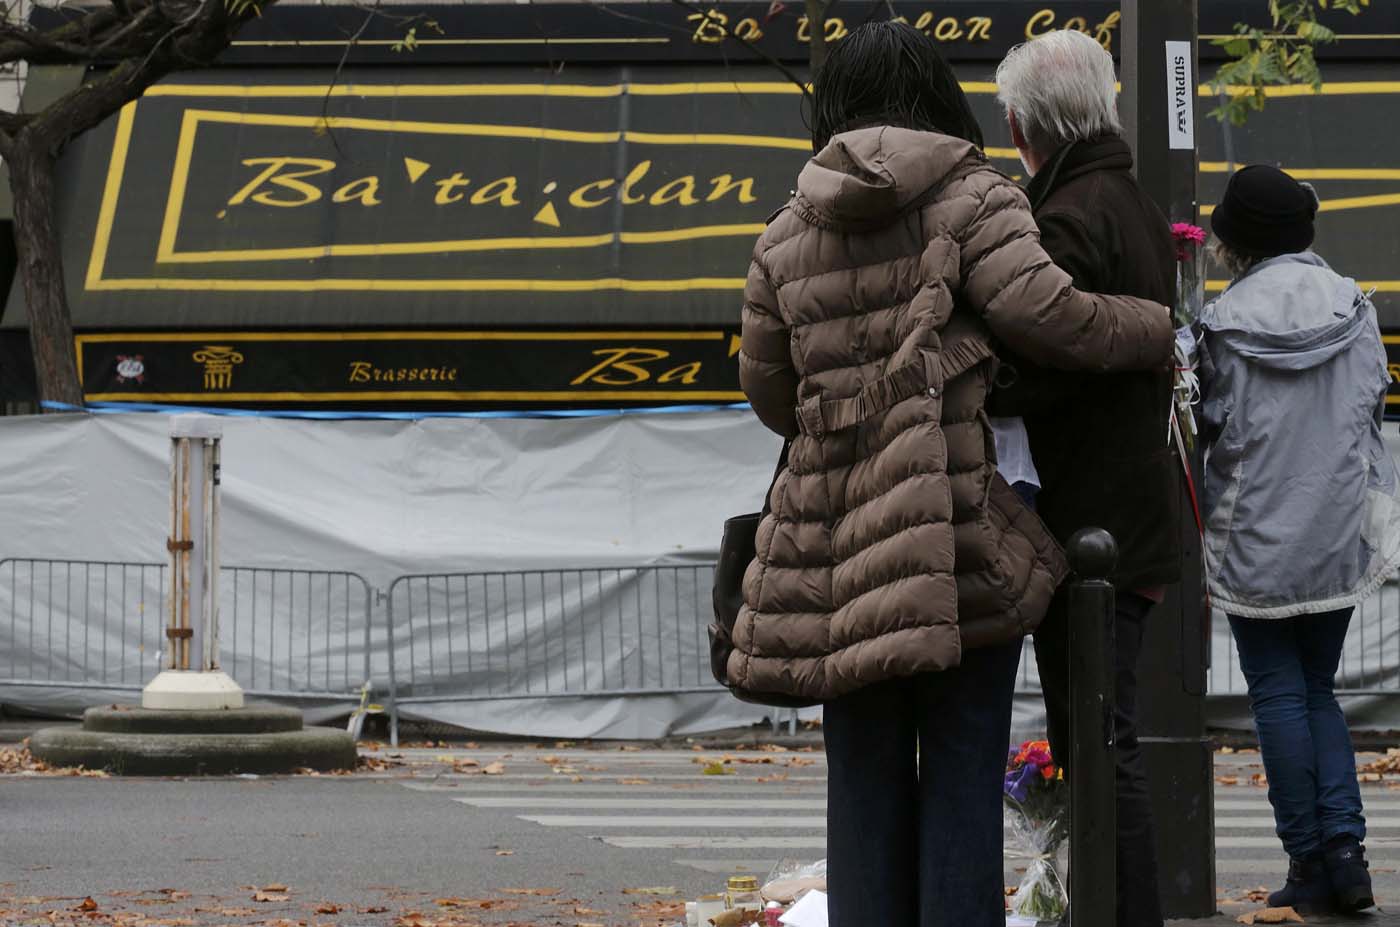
116,408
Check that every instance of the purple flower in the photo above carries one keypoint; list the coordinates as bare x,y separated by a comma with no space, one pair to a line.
1018,782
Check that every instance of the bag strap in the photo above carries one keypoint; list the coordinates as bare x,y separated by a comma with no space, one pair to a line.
777,472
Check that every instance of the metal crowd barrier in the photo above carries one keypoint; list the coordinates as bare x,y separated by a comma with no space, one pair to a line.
453,637
597,631
87,624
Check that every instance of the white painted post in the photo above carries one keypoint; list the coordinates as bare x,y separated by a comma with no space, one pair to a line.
192,613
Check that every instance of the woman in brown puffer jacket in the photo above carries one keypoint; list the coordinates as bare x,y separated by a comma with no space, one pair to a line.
897,573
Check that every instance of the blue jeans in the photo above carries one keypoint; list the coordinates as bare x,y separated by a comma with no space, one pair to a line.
1290,665
914,812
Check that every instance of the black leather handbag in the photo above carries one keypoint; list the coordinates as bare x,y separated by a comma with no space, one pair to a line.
737,549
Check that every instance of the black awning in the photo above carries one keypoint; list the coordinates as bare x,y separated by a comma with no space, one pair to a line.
465,207
428,196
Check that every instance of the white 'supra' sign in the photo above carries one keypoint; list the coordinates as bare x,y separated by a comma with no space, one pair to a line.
1181,109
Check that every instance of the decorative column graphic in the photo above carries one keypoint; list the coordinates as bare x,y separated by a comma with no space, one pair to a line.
190,677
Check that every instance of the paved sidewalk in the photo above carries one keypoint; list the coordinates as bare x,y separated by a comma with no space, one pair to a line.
532,835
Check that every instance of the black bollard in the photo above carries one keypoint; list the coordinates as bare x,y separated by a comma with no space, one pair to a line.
1093,813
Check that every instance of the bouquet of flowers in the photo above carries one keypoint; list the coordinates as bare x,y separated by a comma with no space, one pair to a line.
1037,797
1190,300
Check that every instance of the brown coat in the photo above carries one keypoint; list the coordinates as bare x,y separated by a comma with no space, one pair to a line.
868,326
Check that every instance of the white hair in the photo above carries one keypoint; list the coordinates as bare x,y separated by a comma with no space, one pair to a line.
1061,88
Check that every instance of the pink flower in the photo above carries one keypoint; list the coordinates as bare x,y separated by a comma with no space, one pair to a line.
1185,232
1038,758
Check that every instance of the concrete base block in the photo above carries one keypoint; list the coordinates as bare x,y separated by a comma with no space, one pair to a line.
176,690
141,754
251,719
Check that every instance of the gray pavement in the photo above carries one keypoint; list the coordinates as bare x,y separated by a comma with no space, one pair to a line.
575,833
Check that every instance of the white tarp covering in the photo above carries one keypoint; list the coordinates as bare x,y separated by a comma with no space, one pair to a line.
379,499
526,613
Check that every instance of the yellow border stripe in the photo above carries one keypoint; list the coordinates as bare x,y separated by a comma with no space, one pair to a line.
370,284
462,395
340,43
603,91
425,335
1380,286
386,249
107,213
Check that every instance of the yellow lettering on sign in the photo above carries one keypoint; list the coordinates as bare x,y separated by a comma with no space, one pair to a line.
724,183
1103,32
1077,23
277,175
681,190
501,191
948,30
924,21
624,361
365,190
633,178
685,373
359,371
579,200
1040,23
748,30
979,29
710,27
447,187
836,29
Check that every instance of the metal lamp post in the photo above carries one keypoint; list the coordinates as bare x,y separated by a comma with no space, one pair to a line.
190,678
1160,77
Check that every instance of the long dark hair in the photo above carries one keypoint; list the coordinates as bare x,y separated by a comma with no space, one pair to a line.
889,73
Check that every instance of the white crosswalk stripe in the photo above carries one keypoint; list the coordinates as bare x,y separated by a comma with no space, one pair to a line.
659,802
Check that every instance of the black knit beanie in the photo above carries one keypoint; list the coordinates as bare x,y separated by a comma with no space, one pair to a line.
1265,213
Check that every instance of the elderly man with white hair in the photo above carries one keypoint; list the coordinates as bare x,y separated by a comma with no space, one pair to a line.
1099,442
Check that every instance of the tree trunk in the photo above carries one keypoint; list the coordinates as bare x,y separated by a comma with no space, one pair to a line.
40,261
816,25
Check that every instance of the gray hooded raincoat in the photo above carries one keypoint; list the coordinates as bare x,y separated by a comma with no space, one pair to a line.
1300,492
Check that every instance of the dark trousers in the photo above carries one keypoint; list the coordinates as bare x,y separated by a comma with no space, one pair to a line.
1290,665
914,813
1139,901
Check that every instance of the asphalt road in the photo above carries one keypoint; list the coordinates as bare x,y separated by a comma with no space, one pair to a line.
558,837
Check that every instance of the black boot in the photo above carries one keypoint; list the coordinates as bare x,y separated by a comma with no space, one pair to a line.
1308,890
1345,860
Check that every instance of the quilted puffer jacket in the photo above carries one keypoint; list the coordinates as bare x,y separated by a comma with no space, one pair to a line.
870,313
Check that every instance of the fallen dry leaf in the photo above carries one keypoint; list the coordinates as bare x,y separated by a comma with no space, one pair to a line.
495,769
717,769
505,852
531,891
374,909
87,904
1271,916
327,907
274,887
1228,780
266,897
634,782
651,891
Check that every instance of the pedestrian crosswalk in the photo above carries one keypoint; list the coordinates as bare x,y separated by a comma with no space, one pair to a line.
764,809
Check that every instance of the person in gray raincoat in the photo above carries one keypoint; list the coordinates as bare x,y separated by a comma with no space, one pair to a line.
1301,514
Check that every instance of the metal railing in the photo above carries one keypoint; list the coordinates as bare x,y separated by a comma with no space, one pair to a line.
99,625
537,633
53,611
453,637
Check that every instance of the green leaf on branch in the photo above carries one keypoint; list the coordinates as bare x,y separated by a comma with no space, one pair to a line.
1286,54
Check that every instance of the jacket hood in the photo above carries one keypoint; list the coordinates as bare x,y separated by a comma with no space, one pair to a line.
876,173
1291,312
1105,153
